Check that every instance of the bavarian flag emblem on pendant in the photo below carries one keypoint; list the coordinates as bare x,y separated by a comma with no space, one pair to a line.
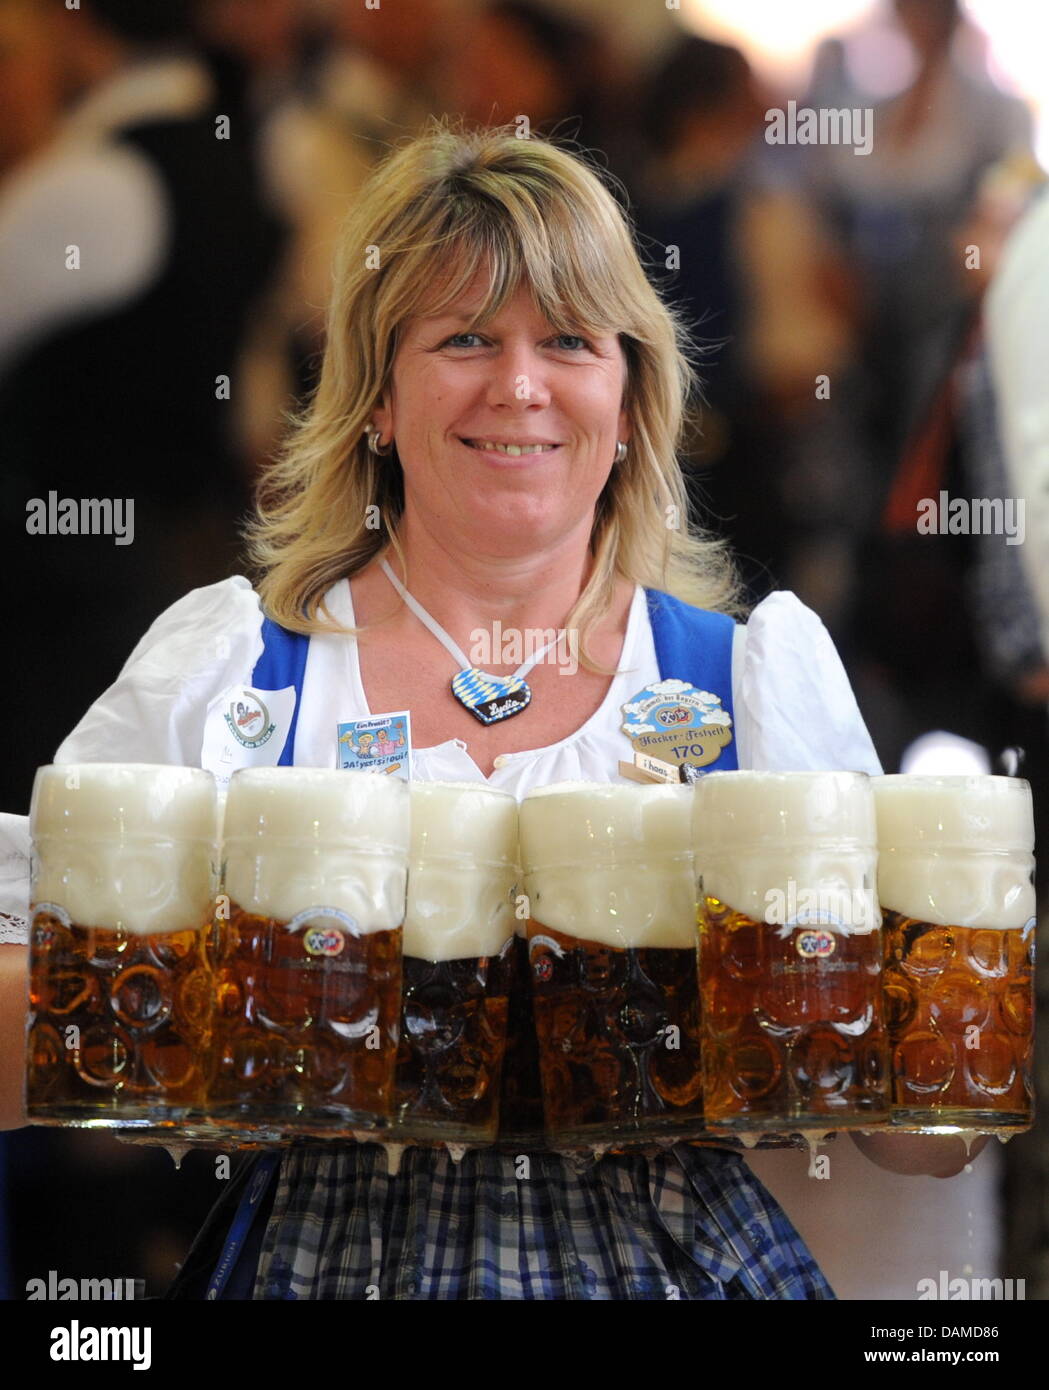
671,723
490,698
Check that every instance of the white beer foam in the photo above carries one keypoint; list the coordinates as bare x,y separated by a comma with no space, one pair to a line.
125,846
462,869
956,851
296,838
783,847
610,863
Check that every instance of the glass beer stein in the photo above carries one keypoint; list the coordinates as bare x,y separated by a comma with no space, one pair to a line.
308,964
955,873
790,951
612,953
123,881
458,937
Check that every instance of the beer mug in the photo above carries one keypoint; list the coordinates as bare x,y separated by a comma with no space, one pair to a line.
308,986
790,951
123,879
955,873
612,952
458,935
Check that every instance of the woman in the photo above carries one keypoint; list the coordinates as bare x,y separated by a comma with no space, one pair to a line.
493,436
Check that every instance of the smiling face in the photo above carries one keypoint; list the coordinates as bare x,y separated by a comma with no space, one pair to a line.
506,434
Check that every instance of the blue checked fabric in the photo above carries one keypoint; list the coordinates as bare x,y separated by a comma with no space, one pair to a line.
688,1224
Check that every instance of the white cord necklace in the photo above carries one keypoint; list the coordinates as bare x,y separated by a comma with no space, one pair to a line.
489,698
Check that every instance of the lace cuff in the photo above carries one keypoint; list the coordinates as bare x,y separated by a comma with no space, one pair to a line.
14,930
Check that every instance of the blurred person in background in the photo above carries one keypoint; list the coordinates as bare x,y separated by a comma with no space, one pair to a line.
362,79
759,280
132,247
1018,329
515,58
30,83
255,50
898,210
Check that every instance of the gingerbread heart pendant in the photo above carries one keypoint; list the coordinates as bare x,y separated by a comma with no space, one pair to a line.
490,698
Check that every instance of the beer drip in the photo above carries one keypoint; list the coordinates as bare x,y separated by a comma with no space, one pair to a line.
749,1141
393,1158
178,1152
813,1142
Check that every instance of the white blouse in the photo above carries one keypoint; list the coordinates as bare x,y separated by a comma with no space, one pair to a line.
793,708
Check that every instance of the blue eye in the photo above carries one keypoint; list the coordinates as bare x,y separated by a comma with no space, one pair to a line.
453,340
572,338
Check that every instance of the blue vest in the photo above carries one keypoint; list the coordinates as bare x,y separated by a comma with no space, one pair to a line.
691,645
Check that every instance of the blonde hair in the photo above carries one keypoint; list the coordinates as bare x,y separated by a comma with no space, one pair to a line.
437,209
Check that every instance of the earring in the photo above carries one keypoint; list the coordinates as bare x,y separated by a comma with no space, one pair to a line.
620,452
374,436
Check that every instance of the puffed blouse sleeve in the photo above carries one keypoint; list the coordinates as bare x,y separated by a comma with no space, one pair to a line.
154,711
795,709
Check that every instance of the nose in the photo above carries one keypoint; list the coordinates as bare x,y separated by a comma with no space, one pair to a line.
518,377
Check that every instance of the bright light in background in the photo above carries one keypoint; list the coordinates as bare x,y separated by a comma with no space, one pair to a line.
940,754
779,39
1019,32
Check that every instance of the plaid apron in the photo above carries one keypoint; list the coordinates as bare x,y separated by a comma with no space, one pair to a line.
689,1223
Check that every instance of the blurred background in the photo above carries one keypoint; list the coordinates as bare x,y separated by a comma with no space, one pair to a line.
202,153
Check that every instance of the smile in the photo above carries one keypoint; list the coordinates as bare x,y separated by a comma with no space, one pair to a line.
512,450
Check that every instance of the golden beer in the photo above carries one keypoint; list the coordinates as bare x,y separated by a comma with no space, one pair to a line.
955,879
612,954
120,983
308,980
458,935
790,952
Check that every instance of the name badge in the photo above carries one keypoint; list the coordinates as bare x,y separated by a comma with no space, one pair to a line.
675,730
382,743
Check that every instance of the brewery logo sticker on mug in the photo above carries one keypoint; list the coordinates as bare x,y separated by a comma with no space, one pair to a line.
382,743
675,730
326,929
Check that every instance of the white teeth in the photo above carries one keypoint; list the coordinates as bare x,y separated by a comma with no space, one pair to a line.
514,450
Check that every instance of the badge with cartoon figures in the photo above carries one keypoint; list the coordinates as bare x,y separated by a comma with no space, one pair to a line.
675,731
382,743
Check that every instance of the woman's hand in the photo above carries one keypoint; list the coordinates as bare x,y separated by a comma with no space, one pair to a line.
929,1155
